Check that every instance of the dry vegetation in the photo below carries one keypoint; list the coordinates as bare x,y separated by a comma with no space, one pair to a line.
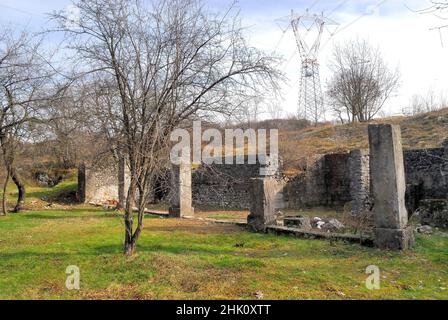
427,130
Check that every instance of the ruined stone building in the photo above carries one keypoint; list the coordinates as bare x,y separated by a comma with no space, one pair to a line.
331,180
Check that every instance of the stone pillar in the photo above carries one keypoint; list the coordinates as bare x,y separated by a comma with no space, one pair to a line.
181,199
82,183
266,195
388,188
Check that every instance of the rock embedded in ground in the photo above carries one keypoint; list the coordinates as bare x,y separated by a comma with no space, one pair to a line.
333,224
425,230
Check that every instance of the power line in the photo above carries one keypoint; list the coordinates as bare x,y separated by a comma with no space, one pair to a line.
22,11
310,97
360,17
280,41
289,60
313,5
440,34
337,7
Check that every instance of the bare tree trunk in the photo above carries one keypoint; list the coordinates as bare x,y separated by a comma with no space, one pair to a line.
131,237
129,242
12,173
4,198
21,189
141,215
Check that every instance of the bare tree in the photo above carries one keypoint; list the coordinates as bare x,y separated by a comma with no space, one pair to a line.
22,80
159,65
437,8
426,103
65,129
361,82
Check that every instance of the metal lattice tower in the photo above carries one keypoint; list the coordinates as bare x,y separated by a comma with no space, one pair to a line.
311,102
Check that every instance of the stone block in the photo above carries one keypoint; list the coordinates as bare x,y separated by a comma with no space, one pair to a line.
394,239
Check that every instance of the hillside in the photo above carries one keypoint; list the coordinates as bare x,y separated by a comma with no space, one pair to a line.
422,131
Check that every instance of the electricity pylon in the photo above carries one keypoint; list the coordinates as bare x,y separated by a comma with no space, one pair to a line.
311,102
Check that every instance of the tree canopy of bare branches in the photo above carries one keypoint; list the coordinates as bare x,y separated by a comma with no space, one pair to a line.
23,76
437,8
361,82
155,66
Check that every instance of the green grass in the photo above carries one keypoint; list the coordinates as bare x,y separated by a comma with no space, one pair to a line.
38,197
185,259
179,259
54,193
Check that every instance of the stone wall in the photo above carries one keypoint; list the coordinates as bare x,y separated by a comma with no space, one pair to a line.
359,181
434,213
426,175
337,179
326,182
307,188
329,180
225,185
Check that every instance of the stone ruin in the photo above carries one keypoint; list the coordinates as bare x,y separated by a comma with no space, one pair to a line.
103,183
388,187
384,180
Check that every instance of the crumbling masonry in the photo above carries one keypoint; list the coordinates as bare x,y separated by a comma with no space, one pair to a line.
334,180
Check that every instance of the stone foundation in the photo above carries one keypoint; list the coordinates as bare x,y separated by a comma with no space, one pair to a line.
394,239
332,180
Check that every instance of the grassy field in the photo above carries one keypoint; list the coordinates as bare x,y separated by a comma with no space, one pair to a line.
184,259
187,259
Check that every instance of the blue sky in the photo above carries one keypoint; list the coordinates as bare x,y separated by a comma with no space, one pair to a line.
402,35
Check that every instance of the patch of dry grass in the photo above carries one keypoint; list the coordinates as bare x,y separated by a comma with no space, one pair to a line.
187,259
422,131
